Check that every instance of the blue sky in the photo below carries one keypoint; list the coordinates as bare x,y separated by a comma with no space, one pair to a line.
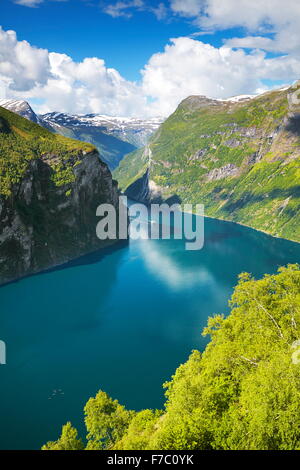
81,29
220,49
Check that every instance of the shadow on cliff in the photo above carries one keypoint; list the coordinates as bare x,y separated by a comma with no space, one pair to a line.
140,191
293,125
175,199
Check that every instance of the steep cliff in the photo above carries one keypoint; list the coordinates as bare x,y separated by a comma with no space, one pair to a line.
50,187
240,158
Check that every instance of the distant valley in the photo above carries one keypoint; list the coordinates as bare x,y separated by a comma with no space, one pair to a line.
113,137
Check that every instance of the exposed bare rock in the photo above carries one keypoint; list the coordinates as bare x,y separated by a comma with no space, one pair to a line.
218,173
43,225
198,155
232,143
254,158
196,102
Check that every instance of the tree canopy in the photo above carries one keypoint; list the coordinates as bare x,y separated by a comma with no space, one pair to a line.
242,392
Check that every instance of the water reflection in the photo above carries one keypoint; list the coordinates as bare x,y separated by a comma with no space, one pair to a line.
122,322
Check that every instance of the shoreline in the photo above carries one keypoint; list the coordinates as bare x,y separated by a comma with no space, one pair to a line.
229,221
253,228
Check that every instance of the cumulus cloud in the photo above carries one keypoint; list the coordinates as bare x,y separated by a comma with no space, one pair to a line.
89,86
186,67
257,16
27,72
22,65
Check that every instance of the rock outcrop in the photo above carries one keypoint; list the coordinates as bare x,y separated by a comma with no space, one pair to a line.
50,188
139,190
224,172
43,225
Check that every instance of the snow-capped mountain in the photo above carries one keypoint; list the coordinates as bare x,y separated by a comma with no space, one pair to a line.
113,136
132,130
22,108
239,98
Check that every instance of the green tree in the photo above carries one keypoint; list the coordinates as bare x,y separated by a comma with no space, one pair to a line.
67,441
106,421
242,392
140,430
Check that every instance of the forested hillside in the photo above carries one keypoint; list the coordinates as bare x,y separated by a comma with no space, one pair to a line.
243,392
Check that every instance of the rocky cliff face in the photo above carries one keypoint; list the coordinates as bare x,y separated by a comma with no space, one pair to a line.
139,190
240,158
43,225
50,188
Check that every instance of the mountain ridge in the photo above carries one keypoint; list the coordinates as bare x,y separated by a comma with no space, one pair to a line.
239,158
114,137
22,108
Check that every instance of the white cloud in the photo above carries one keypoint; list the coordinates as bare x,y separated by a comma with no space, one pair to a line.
34,3
21,64
252,42
251,14
29,3
123,8
188,67
89,86
257,16
127,8
185,67
188,8
160,11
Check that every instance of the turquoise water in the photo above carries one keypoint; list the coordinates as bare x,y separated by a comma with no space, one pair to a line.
121,320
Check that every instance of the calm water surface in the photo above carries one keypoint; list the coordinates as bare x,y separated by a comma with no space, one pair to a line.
121,320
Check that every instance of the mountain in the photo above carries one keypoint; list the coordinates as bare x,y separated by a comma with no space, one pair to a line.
114,137
50,187
238,157
132,130
22,108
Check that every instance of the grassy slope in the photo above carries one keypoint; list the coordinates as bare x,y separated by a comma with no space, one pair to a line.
22,140
263,194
